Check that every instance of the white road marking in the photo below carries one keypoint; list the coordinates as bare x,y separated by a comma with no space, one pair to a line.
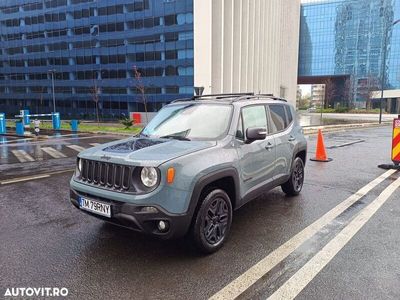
53,152
23,179
248,278
76,148
29,178
94,144
22,156
294,285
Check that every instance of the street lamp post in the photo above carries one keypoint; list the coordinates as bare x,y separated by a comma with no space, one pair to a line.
52,85
384,67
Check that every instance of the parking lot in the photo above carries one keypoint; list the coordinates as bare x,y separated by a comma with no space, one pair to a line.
337,240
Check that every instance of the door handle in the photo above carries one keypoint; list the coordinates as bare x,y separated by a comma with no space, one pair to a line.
269,146
291,138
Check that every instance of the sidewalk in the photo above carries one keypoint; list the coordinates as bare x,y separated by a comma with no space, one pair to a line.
333,128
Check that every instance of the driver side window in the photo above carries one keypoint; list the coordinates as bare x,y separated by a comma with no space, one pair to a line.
254,116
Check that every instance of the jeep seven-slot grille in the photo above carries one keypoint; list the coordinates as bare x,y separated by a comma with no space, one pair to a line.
107,175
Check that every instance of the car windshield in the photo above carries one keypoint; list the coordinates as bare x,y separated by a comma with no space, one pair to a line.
190,121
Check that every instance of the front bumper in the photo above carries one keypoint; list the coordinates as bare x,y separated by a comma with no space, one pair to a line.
133,217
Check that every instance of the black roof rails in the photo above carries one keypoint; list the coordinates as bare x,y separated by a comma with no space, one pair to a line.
223,96
270,96
236,96
279,99
266,95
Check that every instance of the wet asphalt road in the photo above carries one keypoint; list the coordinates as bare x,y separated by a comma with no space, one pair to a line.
47,242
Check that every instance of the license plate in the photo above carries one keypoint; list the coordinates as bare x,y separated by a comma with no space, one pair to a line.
95,207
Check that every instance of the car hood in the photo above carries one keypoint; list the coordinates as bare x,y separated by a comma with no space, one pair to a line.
144,151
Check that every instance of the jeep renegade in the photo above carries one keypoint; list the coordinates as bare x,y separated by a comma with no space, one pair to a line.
195,162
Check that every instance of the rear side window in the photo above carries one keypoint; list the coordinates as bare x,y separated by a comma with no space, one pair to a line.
254,116
278,116
289,114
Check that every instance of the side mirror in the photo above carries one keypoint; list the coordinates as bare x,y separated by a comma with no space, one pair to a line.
255,134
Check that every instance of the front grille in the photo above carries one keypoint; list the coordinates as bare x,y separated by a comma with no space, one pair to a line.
107,175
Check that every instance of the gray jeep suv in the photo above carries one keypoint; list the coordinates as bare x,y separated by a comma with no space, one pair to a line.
192,165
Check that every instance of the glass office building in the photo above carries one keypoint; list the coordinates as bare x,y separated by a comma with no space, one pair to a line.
92,48
344,40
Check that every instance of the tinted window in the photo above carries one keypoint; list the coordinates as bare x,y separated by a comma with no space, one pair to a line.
254,116
278,117
289,114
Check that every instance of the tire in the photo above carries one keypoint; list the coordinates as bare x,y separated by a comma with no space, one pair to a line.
212,222
294,185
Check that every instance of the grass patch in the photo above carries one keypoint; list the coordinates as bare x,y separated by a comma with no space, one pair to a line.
87,127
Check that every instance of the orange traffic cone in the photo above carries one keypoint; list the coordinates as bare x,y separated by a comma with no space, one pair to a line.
320,154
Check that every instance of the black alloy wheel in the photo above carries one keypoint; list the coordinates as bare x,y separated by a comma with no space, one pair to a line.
216,221
295,183
212,221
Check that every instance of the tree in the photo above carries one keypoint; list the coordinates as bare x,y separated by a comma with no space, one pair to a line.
330,92
141,88
348,94
305,101
366,88
95,97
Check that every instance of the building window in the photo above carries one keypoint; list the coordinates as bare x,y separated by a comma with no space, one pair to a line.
137,5
55,3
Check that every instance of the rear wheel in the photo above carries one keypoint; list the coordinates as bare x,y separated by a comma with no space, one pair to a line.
212,221
293,186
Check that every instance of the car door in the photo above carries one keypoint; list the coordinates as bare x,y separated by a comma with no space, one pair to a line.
256,159
281,126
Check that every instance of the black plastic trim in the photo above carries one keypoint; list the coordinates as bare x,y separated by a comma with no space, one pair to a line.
129,216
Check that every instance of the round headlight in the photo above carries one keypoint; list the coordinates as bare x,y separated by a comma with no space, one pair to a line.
79,165
149,176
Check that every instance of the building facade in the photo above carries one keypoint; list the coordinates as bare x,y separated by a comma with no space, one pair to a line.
317,95
344,41
107,52
247,46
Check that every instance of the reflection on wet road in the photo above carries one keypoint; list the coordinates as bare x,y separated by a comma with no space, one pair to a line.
20,150
47,242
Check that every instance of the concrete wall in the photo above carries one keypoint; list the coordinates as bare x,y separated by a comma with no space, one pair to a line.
247,46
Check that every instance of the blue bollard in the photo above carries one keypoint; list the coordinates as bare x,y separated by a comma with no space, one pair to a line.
26,119
74,125
19,128
3,128
56,121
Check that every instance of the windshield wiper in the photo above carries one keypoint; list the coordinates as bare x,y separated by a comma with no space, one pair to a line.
176,137
143,135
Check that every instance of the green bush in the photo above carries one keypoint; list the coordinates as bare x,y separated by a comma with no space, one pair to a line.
326,110
127,122
341,109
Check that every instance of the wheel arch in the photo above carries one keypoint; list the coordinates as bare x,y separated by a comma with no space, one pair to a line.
223,179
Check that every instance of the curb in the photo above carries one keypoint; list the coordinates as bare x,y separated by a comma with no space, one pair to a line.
108,132
335,128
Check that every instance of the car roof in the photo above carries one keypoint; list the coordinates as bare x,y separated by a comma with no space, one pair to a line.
240,99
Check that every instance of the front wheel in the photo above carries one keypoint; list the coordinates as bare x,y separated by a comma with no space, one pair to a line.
293,186
212,221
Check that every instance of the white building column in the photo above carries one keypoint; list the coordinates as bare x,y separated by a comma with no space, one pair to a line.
246,46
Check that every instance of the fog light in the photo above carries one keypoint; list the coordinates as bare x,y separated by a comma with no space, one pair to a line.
148,209
162,225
